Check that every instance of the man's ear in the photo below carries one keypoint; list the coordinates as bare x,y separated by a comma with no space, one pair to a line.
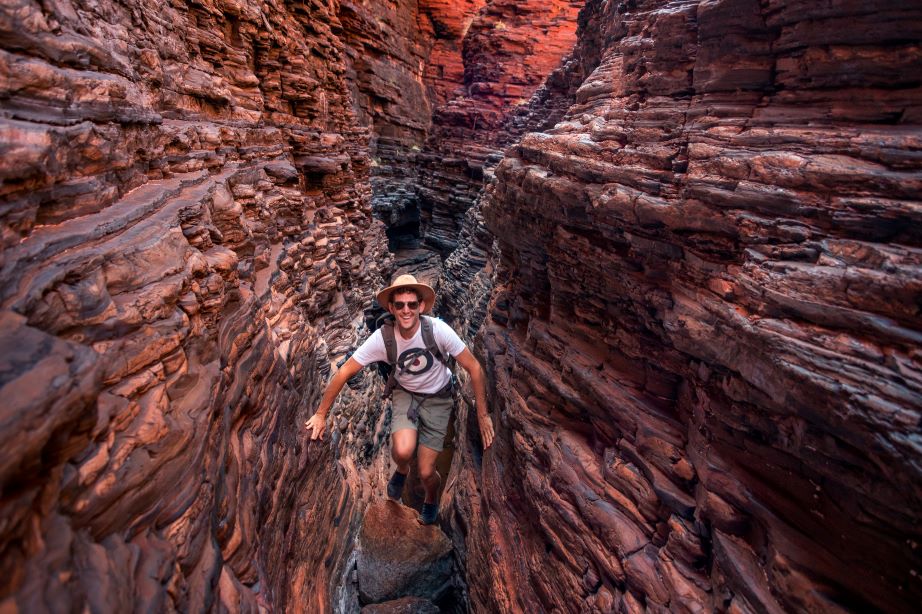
422,307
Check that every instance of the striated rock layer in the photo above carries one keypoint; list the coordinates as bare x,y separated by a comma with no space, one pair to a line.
436,82
509,50
187,241
704,334
403,58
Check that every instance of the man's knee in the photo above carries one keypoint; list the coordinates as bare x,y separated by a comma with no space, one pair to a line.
427,472
402,453
403,445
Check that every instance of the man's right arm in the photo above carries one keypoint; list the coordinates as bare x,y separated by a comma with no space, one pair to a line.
317,422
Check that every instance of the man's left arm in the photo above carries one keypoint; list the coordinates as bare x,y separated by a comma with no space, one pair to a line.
467,360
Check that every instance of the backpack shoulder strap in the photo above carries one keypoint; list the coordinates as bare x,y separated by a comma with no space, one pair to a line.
429,339
390,343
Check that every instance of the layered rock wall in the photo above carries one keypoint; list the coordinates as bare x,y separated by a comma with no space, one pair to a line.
705,329
509,50
187,241
437,83
703,337
402,60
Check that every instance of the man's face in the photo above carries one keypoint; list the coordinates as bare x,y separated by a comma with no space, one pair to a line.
406,308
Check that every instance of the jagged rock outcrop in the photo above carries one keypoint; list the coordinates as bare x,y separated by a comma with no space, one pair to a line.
705,328
437,82
187,241
472,130
467,273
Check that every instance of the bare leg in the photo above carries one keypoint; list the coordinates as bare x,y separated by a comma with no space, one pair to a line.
403,443
427,473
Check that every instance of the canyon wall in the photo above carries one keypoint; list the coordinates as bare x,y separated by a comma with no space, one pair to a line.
704,332
436,82
508,52
695,282
403,59
187,242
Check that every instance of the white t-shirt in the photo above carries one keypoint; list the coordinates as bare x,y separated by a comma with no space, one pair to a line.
421,371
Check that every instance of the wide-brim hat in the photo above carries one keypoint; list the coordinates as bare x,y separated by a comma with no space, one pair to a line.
409,282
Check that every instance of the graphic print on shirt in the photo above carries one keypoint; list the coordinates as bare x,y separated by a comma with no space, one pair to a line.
415,361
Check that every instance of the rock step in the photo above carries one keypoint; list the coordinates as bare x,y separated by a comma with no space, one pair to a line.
404,605
398,557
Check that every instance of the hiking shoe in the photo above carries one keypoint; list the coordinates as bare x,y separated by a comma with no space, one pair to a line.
395,485
429,514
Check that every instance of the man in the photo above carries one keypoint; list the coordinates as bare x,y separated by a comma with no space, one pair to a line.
421,400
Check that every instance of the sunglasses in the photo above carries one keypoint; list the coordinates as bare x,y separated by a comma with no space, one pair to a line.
399,305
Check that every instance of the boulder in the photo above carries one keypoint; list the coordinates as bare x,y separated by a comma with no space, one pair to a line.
404,605
399,557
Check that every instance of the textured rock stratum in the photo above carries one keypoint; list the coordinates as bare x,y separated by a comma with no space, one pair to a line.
404,58
508,51
436,81
705,328
187,242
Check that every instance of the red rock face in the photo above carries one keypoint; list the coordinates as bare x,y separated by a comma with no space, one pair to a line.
187,240
508,51
475,64
402,60
449,23
386,56
705,328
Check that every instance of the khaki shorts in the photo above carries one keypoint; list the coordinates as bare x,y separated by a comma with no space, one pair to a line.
434,414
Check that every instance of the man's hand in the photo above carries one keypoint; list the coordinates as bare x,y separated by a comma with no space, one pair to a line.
472,366
486,429
315,425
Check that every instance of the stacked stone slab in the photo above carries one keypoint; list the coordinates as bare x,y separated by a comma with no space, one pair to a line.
403,59
509,50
